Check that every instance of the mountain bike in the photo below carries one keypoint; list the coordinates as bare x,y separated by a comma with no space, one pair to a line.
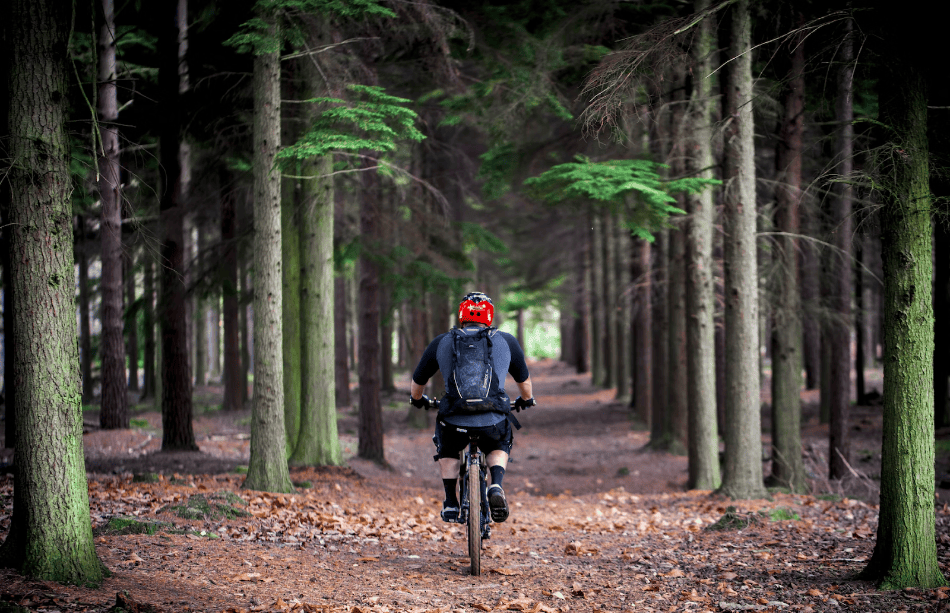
473,486
473,501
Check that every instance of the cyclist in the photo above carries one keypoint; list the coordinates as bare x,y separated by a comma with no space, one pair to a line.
454,424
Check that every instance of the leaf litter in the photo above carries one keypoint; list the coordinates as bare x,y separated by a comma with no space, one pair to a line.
368,540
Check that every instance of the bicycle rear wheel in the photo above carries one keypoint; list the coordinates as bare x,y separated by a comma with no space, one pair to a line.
475,518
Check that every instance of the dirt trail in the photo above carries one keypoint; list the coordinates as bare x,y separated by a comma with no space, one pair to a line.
598,524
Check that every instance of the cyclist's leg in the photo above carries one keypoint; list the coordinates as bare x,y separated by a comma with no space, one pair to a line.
498,457
449,442
497,444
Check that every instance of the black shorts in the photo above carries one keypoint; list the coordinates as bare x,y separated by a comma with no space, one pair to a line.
450,440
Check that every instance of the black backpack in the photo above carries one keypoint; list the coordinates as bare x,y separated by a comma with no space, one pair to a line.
472,385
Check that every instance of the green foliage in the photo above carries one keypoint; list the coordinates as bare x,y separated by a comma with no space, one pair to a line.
371,121
255,34
476,237
497,169
614,183
780,514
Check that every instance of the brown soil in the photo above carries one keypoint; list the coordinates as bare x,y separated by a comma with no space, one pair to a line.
599,523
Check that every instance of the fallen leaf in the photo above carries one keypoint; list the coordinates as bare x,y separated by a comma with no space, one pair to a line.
482,607
505,571
813,592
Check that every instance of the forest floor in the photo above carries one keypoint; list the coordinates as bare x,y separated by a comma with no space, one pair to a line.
599,523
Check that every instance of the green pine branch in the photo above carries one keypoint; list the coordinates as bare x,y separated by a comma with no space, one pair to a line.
615,183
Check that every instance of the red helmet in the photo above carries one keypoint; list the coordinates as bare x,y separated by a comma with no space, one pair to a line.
476,307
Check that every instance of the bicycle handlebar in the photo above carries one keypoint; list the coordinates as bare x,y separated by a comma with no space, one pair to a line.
428,403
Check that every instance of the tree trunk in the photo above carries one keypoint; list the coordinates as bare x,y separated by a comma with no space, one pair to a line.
905,552
370,445
245,295
293,333
642,329
621,330
609,301
840,326
85,333
742,476
810,300
860,349
201,309
267,467
132,318
318,442
177,428
581,347
341,361
703,435
9,349
788,469
148,325
50,536
659,415
596,270
677,384
114,412
233,378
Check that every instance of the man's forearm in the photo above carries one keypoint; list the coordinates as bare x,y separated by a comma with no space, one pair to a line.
525,388
415,390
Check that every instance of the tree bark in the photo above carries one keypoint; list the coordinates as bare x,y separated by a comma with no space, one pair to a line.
318,442
148,326
132,316
703,439
50,536
267,467
598,325
201,307
177,411
609,301
642,331
114,411
659,415
788,469
85,333
840,326
293,333
581,321
742,475
370,445
233,379
905,552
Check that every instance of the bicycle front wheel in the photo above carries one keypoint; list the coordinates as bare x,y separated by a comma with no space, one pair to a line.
475,517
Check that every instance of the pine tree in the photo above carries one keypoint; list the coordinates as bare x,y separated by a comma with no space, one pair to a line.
787,465
267,468
50,535
115,405
905,552
742,474
703,440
